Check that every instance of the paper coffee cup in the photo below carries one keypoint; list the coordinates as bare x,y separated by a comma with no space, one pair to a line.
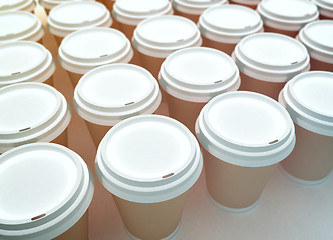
49,4
193,76
11,5
156,38
25,61
287,17
247,3
148,163
325,8
266,61
128,13
318,39
109,94
308,98
20,25
32,112
50,191
222,27
88,48
243,136
192,9
75,15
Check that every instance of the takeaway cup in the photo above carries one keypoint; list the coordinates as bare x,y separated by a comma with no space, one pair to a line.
50,191
247,3
325,8
148,163
207,73
222,27
32,112
308,98
106,95
128,13
49,4
192,9
88,48
287,17
20,25
75,15
11,5
266,61
25,61
243,136
318,39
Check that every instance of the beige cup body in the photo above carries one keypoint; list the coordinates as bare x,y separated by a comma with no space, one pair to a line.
127,29
58,39
234,186
292,34
193,17
271,89
184,111
97,132
228,48
62,139
243,4
151,221
311,159
49,81
323,17
317,65
75,77
152,64
79,231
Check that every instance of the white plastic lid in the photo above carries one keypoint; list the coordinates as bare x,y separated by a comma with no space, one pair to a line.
308,98
159,36
229,23
49,4
19,25
72,16
31,112
286,14
88,48
198,74
246,129
111,93
23,5
149,158
195,7
325,7
22,61
318,38
131,12
45,189
271,57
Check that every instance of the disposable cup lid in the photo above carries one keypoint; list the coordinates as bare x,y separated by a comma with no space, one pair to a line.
229,23
72,16
24,5
131,12
31,112
246,129
318,38
50,189
196,7
22,61
49,4
111,93
198,74
88,48
159,36
325,7
19,25
271,57
148,159
308,98
287,15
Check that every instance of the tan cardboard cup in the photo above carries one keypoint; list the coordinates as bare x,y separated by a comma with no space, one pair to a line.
128,13
266,61
22,5
20,25
192,9
243,136
287,17
148,163
54,187
32,112
308,98
318,39
222,27
25,61
89,48
247,3
75,15
49,4
193,76
106,95
325,9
